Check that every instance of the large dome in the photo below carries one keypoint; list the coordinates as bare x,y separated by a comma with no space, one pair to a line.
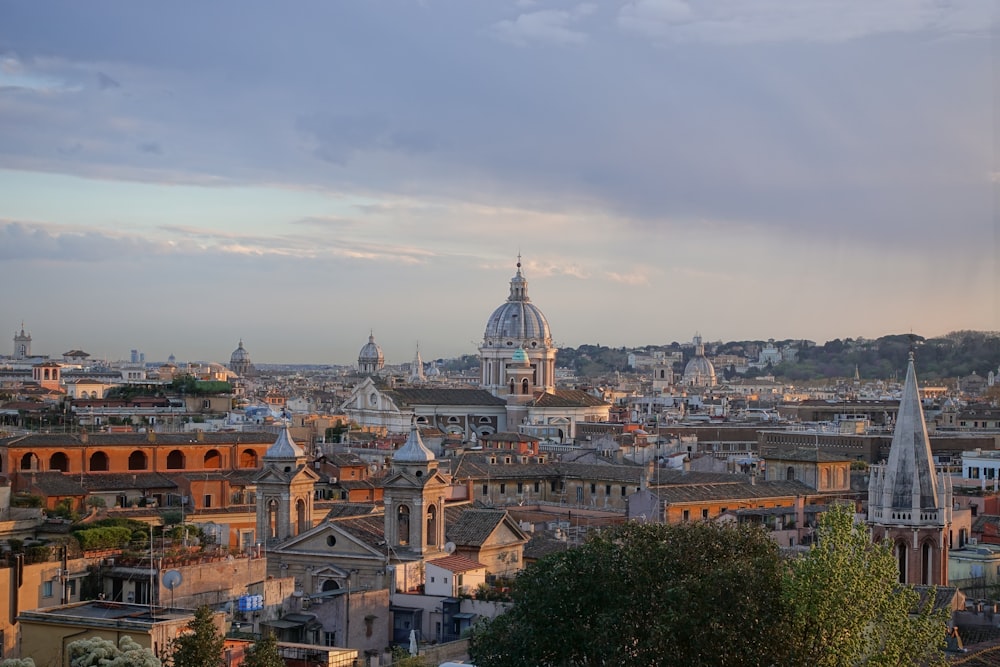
518,322
240,355
699,372
371,351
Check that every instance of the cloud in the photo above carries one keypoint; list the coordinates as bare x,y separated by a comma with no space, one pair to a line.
105,82
150,148
24,241
636,277
547,26
739,22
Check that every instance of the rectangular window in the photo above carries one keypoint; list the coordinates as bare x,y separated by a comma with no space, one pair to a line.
208,500
432,580
446,580
520,487
46,589
686,516
71,588
607,489
503,488
704,514
593,488
623,491
486,489
536,487
329,639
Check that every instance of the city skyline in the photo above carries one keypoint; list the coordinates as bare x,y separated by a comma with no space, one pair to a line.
175,179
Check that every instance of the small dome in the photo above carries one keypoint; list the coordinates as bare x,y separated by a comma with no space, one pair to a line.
520,356
413,450
284,447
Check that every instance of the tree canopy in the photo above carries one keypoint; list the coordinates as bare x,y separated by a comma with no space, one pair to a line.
846,606
264,653
705,593
202,645
98,652
644,594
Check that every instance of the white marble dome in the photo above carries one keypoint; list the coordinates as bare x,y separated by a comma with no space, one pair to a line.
371,359
699,372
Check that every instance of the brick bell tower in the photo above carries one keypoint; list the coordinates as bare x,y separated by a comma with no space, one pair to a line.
909,502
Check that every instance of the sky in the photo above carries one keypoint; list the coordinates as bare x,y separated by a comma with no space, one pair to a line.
177,177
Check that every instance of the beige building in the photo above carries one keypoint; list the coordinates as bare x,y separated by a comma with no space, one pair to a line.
47,633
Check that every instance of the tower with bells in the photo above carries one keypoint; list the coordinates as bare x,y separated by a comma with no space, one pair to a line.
284,491
909,501
414,495
22,344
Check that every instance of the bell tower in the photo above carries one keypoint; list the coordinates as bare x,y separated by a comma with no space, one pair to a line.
284,491
22,344
909,502
414,499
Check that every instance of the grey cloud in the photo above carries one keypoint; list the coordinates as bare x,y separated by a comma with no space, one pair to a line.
20,241
150,148
547,26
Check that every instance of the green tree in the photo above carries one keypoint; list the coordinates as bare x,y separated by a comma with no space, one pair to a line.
202,645
402,658
644,594
264,653
17,662
98,652
846,607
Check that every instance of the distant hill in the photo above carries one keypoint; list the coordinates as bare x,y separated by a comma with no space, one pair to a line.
956,354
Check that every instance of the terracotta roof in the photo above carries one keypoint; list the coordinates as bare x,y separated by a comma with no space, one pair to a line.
342,510
506,436
457,564
710,492
135,439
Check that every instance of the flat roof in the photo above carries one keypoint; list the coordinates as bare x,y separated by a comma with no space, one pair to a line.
109,611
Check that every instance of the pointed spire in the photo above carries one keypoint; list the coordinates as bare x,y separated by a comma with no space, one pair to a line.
284,447
413,450
910,482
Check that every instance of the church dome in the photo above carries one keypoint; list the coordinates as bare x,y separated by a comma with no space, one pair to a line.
240,355
518,322
371,359
699,372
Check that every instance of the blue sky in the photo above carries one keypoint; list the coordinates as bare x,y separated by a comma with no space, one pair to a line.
175,177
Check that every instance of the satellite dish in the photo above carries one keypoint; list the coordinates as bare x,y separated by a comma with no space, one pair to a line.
172,579
449,547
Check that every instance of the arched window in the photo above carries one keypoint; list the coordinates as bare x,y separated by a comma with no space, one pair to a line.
330,585
59,461
272,518
512,385
300,517
431,525
175,460
248,459
213,459
29,462
826,479
137,460
403,525
524,386
926,564
98,462
901,547
790,474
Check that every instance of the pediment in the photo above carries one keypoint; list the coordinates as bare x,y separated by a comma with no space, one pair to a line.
317,542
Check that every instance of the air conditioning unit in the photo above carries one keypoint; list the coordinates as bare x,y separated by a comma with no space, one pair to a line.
333,480
973,541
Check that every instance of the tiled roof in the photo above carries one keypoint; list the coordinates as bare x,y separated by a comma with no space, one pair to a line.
567,398
710,492
369,528
809,454
135,439
342,510
507,436
542,544
457,564
122,481
473,526
422,396
56,484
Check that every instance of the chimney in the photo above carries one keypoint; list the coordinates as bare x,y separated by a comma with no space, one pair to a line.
84,436
200,435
